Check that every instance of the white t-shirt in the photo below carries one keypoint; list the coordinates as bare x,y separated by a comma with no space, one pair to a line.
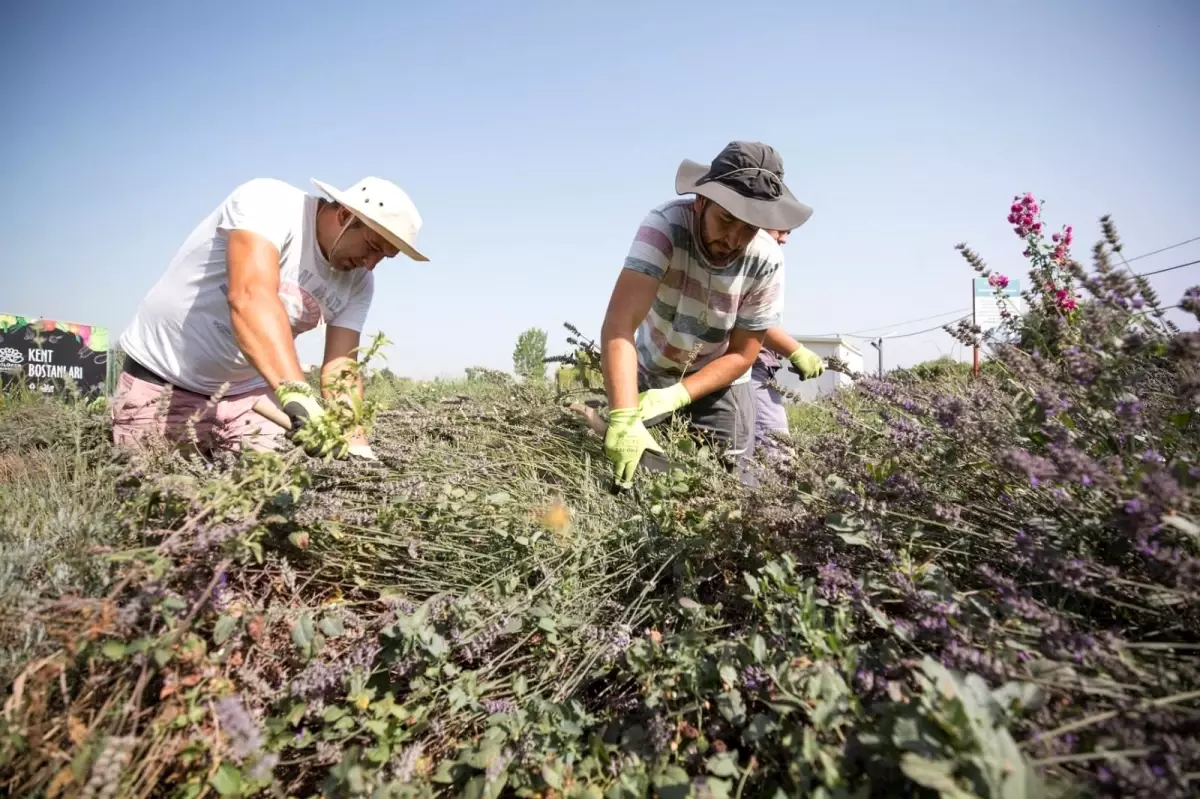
182,330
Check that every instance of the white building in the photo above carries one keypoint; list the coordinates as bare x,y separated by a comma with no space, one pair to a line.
824,346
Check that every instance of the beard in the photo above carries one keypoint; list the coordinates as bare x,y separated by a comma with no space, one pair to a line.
718,257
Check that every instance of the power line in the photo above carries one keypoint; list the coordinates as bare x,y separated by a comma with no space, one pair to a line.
1164,249
857,333
926,330
1168,269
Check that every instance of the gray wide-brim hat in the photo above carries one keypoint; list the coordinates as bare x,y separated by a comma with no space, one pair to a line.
746,179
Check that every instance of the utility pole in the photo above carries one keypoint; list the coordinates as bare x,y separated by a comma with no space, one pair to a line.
878,344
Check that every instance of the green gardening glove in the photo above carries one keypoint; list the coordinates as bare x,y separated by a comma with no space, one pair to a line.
302,407
660,401
627,438
807,362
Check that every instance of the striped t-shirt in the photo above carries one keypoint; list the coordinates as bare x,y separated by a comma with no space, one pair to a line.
697,304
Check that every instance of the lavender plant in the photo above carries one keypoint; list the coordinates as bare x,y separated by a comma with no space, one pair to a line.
958,587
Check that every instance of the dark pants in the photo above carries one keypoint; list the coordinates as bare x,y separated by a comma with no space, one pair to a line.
724,418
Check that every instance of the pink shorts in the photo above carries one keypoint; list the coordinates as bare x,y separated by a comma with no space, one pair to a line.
142,410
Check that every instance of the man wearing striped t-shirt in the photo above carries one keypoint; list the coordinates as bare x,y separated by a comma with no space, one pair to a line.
701,285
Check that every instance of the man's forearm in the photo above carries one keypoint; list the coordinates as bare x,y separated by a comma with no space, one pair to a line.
718,374
778,341
618,361
263,332
338,381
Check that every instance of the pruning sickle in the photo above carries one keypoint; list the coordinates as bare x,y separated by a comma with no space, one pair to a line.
651,461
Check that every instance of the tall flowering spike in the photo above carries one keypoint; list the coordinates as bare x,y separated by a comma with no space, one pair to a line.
971,257
1191,301
1110,233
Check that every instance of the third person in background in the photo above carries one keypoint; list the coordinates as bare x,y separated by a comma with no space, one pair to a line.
770,416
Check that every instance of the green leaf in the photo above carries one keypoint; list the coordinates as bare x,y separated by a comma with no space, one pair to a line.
113,649
227,781
934,774
332,626
840,523
722,765
552,775
854,539
751,582
437,645
732,707
499,498
224,628
758,646
729,674
759,728
673,783
302,634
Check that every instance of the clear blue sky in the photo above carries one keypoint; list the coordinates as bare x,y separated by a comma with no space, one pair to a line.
534,136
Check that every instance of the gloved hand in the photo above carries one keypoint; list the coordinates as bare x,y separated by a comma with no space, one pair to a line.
807,362
627,438
659,401
301,407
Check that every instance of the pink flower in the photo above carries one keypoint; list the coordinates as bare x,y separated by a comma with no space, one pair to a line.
997,280
1055,237
1064,300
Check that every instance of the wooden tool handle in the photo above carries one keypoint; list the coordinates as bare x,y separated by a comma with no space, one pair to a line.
272,412
598,425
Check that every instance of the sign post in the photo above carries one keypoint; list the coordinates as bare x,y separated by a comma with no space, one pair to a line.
989,306
49,356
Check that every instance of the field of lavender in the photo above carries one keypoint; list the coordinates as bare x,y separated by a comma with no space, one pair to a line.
945,586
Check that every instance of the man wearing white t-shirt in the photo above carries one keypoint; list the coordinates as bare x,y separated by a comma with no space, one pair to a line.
269,263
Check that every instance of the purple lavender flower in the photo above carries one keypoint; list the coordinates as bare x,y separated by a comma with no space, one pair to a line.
1034,467
660,734
244,736
404,765
495,706
755,677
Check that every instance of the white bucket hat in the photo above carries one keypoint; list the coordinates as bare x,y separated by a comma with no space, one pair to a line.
385,208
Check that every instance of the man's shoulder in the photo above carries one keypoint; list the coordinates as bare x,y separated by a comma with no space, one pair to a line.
674,212
672,219
272,188
763,257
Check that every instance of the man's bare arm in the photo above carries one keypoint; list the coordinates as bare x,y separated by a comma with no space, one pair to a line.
778,341
719,373
260,322
337,384
627,307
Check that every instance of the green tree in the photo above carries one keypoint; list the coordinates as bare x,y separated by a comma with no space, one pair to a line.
529,356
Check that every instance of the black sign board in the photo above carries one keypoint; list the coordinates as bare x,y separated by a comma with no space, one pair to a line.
52,357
